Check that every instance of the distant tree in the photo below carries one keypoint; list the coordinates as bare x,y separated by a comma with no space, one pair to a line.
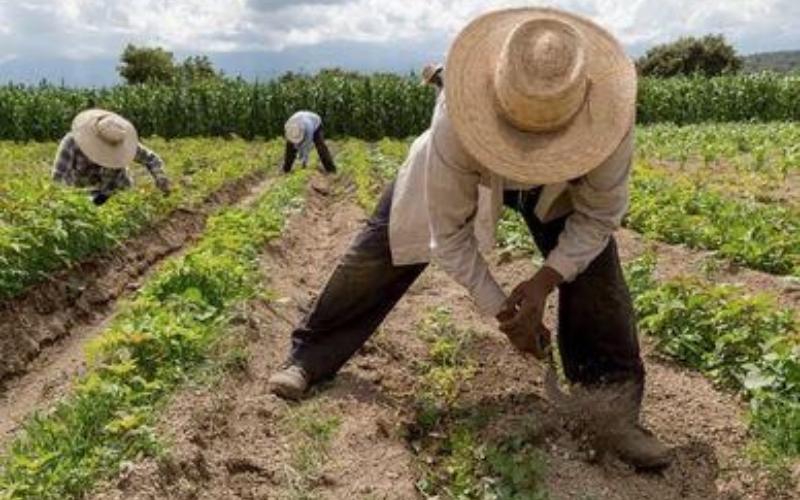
195,68
710,55
146,64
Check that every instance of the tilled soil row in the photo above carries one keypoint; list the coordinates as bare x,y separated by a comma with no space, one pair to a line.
355,436
75,304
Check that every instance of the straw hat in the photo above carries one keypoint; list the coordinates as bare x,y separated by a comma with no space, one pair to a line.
429,72
539,95
294,131
106,138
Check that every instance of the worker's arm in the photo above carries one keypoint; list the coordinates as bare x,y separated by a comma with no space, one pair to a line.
452,200
153,163
64,161
600,200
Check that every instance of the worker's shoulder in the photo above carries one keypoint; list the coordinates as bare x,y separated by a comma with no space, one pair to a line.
446,142
306,114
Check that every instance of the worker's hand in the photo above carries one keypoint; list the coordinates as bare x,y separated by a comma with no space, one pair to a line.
523,312
164,185
99,198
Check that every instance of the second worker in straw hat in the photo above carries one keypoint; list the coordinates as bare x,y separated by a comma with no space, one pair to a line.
96,154
537,115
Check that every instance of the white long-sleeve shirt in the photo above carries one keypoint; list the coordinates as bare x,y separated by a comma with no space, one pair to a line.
446,207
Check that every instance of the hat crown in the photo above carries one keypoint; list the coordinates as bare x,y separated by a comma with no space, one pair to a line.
540,80
294,132
111,129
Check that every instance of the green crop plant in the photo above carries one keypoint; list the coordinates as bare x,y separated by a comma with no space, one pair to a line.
365,170
45,227
677,210
460,459
771,148
151,347
743,342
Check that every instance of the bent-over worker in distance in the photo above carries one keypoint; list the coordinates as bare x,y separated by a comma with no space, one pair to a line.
551,138
433,75
304,130
96,154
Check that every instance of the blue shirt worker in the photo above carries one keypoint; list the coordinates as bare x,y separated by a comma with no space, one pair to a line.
304,130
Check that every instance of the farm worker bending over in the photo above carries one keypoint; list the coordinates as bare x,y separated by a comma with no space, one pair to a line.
537,115
304,130
433,75
97,151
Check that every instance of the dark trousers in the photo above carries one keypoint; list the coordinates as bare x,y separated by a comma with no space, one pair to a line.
322,150
596,328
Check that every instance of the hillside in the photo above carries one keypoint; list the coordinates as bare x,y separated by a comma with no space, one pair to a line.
783,62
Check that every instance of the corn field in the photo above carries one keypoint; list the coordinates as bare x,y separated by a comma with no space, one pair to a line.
367,107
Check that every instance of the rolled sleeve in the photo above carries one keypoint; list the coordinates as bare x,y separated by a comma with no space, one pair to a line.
64,161
452,201
600,200
151,161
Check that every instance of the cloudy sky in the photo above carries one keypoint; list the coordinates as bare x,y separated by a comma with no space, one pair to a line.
78,41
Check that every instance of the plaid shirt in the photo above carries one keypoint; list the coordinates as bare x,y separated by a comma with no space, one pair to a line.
74,168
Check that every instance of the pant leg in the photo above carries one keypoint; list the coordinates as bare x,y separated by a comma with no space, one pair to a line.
289,156
362,290
597,335
324,153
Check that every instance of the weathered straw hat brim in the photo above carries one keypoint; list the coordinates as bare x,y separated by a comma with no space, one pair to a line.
528,157
100,152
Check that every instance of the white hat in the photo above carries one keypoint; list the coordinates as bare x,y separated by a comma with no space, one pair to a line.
539,95
106,138
294,131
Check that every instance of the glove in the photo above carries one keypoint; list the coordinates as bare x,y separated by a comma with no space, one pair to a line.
99,198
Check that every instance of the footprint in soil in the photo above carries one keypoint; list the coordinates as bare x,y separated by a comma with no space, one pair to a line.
694,471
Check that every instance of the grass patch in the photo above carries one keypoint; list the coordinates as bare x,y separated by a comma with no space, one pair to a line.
458,457
358,165
312,427
150,349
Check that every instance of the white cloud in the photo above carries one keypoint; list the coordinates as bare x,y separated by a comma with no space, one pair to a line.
86,29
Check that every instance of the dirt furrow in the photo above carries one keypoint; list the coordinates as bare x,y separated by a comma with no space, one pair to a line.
350,439
44,333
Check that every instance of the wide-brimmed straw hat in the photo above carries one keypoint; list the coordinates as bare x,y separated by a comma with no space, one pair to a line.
429,72
539,95
294,131
106,138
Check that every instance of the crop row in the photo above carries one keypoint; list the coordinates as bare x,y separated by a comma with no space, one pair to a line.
367,107
743,342
680,211
152,346
768,148
44,227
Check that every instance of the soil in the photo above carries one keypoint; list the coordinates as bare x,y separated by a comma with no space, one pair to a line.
236,440
43,332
